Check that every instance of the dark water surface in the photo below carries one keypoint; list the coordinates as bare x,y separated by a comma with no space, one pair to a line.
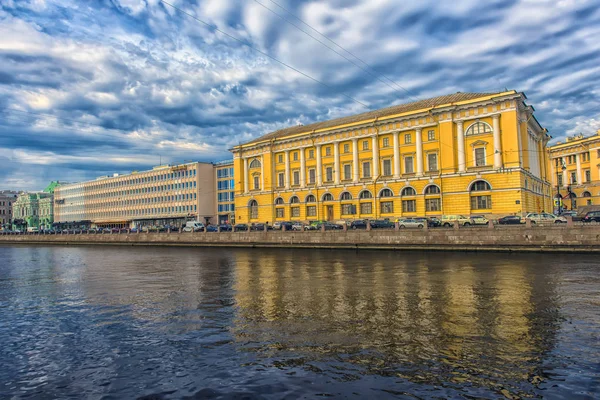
115,322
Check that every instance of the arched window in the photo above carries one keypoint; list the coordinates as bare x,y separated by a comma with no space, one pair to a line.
278,201
253,205
346,196
294,200
255,164
408,191
478,128
432,189
386,193
586,194
479,186
327,197
311,199
365,194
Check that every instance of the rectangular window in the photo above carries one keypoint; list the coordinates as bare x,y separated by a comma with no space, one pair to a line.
295,212
366,169
366,208
409,205
280,158
295,156
480,157
573,177
348,209
408,165
432,161
279,213
407,138
311,154
588,175
386,142
431,135
328,174
280,179
346,148
387,207
347,172
387,167
296,175
311,176
365,145
256,183
433,205
311,211
560,179
481,202
327,151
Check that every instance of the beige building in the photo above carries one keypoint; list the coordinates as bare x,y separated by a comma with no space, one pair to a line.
7,199
575,171
165,195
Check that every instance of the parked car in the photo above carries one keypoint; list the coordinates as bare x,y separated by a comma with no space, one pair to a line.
226,228
544,218
382,223
510,220
434,222
240,228
448,220
572,214
261,227
211,228
411,223
298,226
479,220
329,226
193,226
311,226
592,216
359,224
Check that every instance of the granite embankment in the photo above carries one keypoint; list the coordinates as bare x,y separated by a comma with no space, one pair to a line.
555,238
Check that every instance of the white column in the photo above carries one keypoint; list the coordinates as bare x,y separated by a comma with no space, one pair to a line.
460,139
497,142
578,161
336,160
287,169
262,173
355,160
396,155
419,153
302,167
375,141
565,178
319,166
553,177
246,183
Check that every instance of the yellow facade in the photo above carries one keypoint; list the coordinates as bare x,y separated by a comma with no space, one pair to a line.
575,171
465,153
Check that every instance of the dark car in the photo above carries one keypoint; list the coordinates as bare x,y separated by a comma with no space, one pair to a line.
434,222
358,224
592,216
329,226
240,228
261,227
211,228
382,223
226,228
573,215
510,220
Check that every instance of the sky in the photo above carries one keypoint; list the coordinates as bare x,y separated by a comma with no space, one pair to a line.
96,87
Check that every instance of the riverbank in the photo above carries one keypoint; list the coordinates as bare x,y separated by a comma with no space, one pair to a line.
553,239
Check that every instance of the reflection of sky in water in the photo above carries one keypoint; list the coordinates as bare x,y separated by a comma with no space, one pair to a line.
175,322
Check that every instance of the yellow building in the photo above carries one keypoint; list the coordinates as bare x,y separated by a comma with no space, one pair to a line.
575,171
464,153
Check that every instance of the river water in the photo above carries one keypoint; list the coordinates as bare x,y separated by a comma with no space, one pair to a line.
116,322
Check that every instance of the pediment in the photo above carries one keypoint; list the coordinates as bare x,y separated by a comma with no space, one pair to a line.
479,143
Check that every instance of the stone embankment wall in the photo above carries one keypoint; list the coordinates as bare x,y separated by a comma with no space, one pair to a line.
558,238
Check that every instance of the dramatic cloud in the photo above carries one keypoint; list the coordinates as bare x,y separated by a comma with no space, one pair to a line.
89,88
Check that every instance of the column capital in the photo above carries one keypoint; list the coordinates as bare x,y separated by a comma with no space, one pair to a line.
460,122
419,129
496,116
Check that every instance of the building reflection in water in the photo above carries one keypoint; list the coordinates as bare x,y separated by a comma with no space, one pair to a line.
435,319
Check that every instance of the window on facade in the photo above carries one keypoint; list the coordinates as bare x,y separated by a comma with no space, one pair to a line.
365,194
386,142
255,164
311,199
346,196
329,174
279,212
478,128
366,169
311,154
432,161
480,157
295,212
431,135
408,191
479,186
253,209
588,175
387,167
327,151
386,193
279,201
347,172
433,205
585,157
348,209
327,197
346,148
366,208
365,145
407,138
560,179
294,200
573,177
387,207
409,205
280,158
311,211
256,182
280,179
432,189
311,176
296,178
408,165
295,156
481,202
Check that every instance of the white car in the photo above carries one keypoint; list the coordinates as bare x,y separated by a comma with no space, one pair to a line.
410,223
539,218
298,226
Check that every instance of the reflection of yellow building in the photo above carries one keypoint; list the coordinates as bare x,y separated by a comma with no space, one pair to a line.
575,170
465,153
